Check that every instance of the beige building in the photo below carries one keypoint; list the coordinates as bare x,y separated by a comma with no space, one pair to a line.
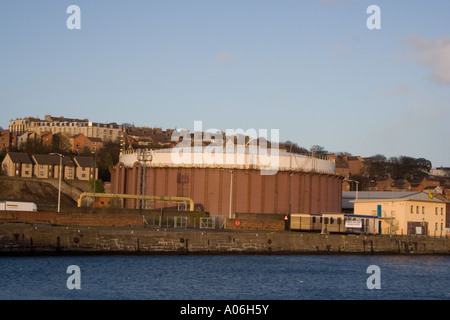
416,214
44,166
17,164
66,126
68,168
85,168
48,166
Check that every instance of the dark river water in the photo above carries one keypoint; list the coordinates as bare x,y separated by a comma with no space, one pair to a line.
302,277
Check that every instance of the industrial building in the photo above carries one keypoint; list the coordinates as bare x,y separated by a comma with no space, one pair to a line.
246,180
417,213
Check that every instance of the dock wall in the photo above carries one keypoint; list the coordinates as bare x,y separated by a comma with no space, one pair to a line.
99,240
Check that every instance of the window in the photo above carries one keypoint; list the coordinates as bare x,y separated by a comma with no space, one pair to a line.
83,175
417,209
442,211
436,226
436,210
412,209
423,210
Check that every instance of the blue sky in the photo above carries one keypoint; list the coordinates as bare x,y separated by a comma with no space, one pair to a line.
310,68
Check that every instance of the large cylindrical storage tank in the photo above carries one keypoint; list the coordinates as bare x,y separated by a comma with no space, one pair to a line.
299,185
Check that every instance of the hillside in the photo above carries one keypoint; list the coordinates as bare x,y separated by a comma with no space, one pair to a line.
43,193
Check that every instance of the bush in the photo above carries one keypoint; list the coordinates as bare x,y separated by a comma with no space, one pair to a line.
98,186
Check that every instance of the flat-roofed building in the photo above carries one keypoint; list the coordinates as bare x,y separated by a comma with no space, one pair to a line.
67,126
416,213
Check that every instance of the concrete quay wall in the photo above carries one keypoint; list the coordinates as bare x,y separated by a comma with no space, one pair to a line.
23,239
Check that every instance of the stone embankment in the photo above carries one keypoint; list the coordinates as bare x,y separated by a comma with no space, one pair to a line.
21,238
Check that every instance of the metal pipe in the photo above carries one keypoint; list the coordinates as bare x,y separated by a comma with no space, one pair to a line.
134,196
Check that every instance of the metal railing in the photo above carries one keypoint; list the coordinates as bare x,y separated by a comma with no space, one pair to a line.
184,222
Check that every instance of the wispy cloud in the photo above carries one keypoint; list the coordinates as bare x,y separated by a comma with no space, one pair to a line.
339,48
226,56
274,97
400,89
434,53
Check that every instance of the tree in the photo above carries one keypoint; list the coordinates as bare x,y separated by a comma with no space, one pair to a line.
318,151
409,168
378,167
294,148
424,164
32,146
107,157
61,143
98,186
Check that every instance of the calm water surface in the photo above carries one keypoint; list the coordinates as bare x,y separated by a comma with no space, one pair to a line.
225,277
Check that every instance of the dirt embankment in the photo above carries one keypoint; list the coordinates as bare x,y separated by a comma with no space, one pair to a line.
42,192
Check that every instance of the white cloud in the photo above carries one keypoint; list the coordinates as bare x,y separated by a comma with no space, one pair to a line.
226,56
434,53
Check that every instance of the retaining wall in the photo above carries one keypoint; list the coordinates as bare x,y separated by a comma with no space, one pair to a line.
48,239
74,219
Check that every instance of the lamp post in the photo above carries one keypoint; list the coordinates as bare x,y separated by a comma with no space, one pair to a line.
95,178
144,158
357,183
231,193
60,173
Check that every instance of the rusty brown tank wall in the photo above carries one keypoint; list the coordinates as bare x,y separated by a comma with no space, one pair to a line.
284,192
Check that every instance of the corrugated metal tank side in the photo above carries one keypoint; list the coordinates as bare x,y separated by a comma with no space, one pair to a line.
282,193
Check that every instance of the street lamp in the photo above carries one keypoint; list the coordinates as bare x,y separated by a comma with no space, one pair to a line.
357,183
60,173
144,158
95,169
231,193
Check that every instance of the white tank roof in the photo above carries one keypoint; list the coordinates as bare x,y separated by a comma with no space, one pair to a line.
229,158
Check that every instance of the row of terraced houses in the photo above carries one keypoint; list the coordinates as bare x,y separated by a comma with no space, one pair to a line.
47,166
